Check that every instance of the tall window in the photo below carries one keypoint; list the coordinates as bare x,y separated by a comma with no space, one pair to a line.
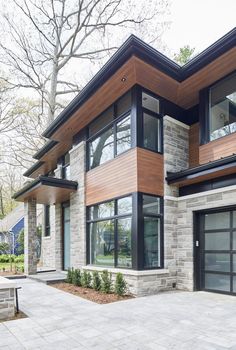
223,108
152,221
47,220
110,133
110,233
66,166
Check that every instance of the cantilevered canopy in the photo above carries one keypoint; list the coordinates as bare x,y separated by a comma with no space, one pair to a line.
47,190
218,168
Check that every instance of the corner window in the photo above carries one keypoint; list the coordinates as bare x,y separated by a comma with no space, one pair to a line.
222,106
47,220
151,123
110,233
152,231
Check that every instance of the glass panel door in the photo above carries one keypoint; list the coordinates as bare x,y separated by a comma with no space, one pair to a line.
218,251
66,236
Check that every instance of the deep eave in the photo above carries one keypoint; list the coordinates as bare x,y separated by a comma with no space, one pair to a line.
197,173
33,168
135,46
43,150
57,190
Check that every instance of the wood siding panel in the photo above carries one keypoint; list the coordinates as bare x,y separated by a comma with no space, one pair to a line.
150,172
135,170
115,178
189,88
194,145
220,148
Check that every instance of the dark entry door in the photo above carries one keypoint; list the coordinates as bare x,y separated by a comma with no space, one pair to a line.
216,251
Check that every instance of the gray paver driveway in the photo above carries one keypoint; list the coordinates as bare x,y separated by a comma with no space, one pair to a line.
175,320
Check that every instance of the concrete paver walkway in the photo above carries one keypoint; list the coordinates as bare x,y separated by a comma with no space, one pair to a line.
175,320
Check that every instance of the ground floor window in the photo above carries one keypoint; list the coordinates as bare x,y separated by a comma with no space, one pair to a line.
126,232
110,233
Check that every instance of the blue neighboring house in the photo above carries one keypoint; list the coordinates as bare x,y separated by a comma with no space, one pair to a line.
11,225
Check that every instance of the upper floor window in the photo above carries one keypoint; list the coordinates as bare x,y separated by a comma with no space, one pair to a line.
151,122
66,166
222,106
110,133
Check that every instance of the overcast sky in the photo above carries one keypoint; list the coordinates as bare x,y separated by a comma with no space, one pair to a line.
199,23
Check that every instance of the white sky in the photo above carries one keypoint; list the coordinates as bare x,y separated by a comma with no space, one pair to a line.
199,23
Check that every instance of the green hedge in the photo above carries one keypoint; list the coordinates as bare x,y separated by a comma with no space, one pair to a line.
7,258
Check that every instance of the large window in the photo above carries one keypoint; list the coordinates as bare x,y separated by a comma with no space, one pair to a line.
223,108
152,229
110,133
151,123
110,233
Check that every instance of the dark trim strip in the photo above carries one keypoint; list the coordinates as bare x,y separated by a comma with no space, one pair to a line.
201,170
46,181
47,147
33,168
133,46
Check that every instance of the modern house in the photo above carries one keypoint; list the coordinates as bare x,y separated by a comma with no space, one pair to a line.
139,173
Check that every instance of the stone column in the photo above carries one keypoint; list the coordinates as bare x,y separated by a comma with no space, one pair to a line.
30,237
176,158
78,206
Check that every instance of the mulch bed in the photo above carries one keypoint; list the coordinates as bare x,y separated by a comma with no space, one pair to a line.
18,316
90,294
10,273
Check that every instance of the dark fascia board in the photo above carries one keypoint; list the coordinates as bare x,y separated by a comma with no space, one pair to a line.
46,181
47,147
135,46
33,168
201,170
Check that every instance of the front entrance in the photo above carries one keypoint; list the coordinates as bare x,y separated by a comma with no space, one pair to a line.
66,236
215,264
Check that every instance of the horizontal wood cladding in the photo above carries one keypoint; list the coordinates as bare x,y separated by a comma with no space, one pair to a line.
135,170
220,148
189,89
150,172
194,145
107,94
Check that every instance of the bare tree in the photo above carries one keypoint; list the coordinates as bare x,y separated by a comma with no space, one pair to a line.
52,34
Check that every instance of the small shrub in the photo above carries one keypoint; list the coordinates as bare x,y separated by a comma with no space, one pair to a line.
76,277
120,285
106,284
86,279
69,277
96,281
19,259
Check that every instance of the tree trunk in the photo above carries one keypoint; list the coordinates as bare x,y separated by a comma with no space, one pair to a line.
52,94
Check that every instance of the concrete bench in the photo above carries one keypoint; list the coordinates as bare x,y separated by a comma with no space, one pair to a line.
7,298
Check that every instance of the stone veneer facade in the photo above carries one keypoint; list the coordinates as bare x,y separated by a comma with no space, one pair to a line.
178,220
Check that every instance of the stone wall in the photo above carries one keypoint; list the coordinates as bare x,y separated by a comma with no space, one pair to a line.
77,206
30,237
7,303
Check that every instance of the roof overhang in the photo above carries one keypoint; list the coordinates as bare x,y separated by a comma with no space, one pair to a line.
47,190
203,173
133,46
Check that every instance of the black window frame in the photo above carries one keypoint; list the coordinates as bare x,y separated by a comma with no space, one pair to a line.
114,218
65,165
204,111
47,223
137,230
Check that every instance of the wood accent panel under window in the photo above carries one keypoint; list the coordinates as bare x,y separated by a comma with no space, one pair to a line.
194,145
220,148
135,170
150,172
